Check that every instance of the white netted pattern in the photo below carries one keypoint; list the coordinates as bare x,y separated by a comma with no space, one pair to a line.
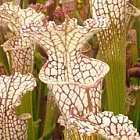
12,88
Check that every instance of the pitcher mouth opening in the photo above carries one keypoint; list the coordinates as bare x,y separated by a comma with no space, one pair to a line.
93,83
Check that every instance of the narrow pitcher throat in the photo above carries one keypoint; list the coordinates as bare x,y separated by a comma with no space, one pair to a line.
71,59
72,68
64,61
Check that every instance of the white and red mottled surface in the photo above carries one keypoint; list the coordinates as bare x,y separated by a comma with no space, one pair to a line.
75,80
12,88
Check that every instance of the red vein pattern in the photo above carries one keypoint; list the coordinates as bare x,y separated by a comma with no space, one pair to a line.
12,88
76,80
20,52
115,10
15,17
73,77
81,100
63,43
67,69
19,48
118,14
67,66
107,124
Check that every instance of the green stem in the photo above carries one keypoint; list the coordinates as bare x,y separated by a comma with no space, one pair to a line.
26,107
134,113
113,52
51,117
4,61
